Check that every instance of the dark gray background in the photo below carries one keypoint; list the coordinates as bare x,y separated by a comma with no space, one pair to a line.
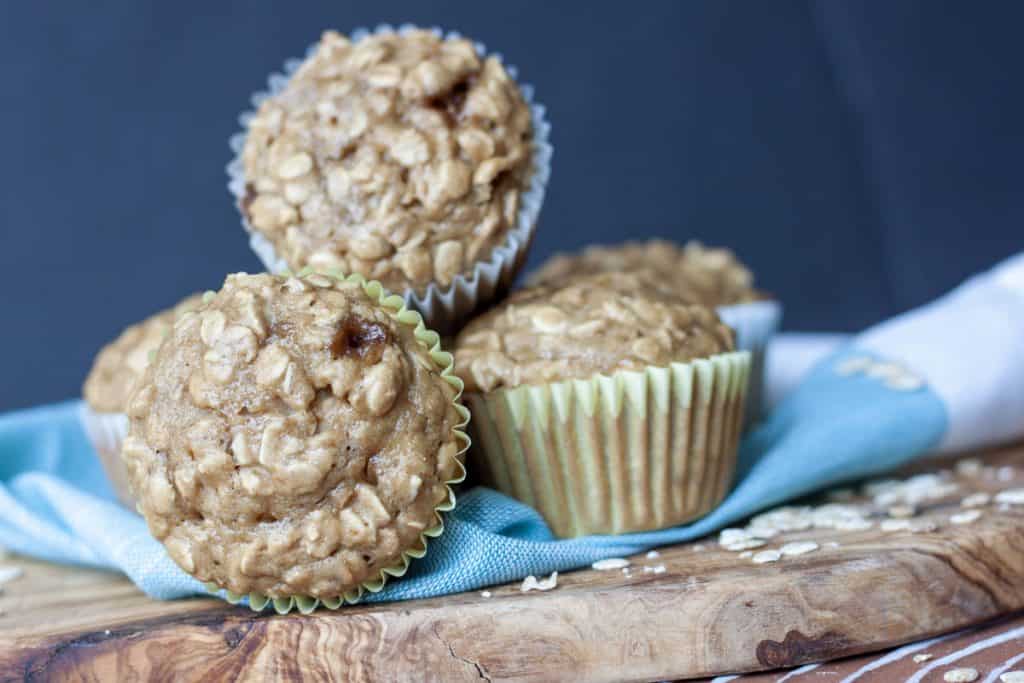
862,157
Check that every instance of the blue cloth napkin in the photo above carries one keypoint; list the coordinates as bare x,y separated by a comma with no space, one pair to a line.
865,409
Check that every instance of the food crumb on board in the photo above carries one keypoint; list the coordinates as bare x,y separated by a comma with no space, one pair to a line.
964,675
746,553
531,583
652,555
798,548
1011,497
902,511
766,556
485,594
610,563
9,574
1006,473
976,500
969,467
965,517
654,569
924,657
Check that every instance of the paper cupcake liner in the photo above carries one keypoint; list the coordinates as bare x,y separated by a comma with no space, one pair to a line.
106,432
442,308
755,324
633,451
395,307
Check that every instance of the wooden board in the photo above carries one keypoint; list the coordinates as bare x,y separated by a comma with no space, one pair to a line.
992,650
710,611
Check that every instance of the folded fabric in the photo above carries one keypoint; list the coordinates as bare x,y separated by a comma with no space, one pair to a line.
945,376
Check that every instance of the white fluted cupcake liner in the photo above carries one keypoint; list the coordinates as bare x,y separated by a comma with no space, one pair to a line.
106,432
443,309
628,452
755,324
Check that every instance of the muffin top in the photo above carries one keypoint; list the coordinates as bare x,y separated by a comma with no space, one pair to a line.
121,362
400,156
699,274
581,329
291,437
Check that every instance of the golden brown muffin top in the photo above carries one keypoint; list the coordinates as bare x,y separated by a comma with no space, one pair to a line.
578,330
121,362
699,274
291,438
400,156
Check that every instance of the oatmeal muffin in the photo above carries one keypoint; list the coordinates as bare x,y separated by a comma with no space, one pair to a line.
121,362
117,367
608,411
295,438
699,274
692,273
404,157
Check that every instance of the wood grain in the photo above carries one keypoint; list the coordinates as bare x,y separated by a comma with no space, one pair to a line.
709,612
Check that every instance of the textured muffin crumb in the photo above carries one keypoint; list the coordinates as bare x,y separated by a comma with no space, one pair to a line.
122,362
697,274
400,156
584,328
291,438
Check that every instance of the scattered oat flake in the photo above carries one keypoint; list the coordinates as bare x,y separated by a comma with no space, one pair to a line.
485,594
530,583
902,511
1012,677
976,500
1011,497
766,556
913,491
729,537
610,563
922,658
969,466
895,525
798,548
9,574
745,545
655,569
653,555
965,517
699,547
965,675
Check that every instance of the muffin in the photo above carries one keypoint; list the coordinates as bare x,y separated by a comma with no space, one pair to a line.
607,411
709,276
295,438
693,273
407,157
114,372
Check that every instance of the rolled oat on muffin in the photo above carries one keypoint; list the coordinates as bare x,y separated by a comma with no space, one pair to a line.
114,372
295,438
403,156
692,273
608,411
